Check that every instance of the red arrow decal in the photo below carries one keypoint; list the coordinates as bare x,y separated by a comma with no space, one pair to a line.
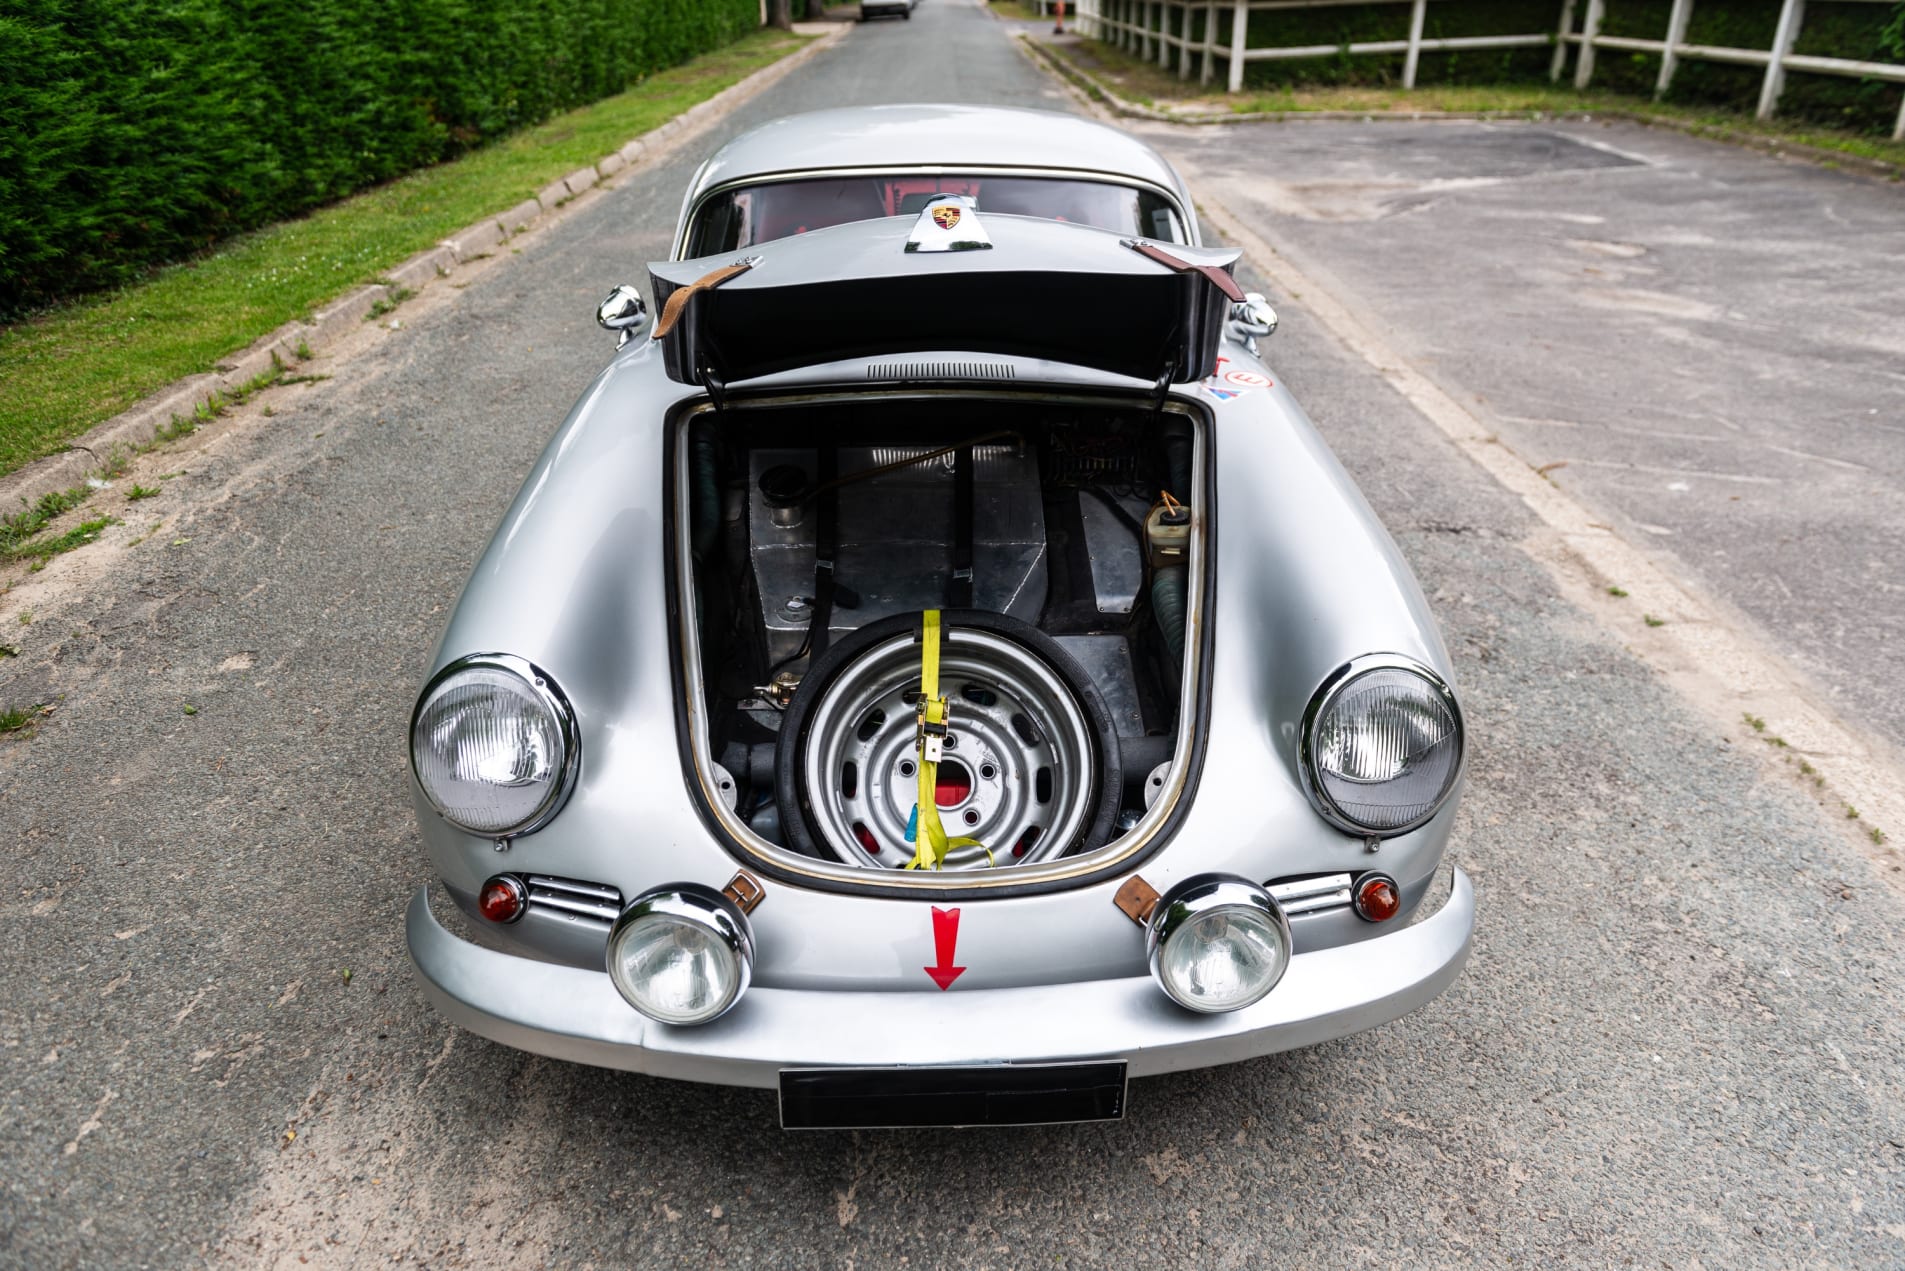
945,940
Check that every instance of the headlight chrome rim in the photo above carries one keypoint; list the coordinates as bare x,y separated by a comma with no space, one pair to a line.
707,911
1332,687
1198,897
552,699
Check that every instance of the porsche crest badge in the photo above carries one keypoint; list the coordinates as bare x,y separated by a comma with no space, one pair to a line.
948,223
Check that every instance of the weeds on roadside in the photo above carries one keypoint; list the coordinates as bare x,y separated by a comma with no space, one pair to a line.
1619,593
19,527
1652,621
15,718
179,427
43,550
138,492
216,403
388,302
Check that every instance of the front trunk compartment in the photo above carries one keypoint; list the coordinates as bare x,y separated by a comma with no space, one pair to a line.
1060,539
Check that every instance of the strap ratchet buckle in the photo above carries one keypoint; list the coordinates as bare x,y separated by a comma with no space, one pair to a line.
935,719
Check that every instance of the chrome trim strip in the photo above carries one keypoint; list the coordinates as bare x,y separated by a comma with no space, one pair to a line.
1312,895
591,903
1184,219
553,700
581,909
1136,840
1333,684
599,891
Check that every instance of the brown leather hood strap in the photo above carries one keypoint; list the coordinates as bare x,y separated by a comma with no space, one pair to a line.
678,298
1219,277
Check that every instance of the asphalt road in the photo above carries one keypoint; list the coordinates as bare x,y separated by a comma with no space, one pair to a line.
1705,346
1677,1041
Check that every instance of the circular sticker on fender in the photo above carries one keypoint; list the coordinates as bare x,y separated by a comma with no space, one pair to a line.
1246,379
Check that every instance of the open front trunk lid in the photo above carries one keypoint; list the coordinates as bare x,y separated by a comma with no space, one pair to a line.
1041,289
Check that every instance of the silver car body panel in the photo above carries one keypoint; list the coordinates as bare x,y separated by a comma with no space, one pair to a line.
576,579
928,139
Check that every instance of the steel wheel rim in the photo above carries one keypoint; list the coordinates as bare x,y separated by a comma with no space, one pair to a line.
858,755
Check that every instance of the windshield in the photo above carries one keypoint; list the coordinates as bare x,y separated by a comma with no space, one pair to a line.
761,213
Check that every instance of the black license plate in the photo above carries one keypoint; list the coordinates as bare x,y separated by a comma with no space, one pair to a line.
988,1094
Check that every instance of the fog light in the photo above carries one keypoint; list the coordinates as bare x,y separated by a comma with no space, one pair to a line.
681,954
1376,898
502,898
1218,943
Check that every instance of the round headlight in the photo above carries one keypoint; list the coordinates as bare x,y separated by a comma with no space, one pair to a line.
1382,745
681,954
493,744
1218,943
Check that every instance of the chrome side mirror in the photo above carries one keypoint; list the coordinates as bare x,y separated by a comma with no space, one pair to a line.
623,311
1252,317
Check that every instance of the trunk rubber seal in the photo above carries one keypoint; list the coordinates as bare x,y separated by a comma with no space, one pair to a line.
896,890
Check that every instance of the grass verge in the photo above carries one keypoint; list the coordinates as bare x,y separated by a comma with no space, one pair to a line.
1146,84
21,533
66,370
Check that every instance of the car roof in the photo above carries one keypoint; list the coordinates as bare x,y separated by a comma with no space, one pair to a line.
918,135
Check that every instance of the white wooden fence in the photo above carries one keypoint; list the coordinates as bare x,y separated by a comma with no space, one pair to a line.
1204,32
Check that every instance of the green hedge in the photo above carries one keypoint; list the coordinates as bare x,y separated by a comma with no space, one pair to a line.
139,131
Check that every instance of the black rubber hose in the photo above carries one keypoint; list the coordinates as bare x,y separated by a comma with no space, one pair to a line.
1177,459
1168,588
706,521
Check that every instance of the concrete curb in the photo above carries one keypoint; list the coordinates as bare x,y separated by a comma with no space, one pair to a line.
297,341
1095,89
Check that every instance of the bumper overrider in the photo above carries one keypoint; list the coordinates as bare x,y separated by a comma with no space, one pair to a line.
577,1015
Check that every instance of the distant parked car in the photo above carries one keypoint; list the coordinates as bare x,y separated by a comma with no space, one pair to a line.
937,671
885,9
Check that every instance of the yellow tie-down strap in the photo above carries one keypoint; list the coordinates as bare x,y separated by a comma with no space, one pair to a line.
930,843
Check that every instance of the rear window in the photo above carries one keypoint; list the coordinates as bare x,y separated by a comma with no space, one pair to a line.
761,213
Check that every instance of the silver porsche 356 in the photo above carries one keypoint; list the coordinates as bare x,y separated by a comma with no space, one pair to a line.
937,671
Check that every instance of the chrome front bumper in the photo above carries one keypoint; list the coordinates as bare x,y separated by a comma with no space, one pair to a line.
577,1015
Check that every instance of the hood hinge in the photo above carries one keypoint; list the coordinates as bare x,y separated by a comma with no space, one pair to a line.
715,387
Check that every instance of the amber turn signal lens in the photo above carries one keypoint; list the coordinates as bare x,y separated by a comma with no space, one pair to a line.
502,899
1377,899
